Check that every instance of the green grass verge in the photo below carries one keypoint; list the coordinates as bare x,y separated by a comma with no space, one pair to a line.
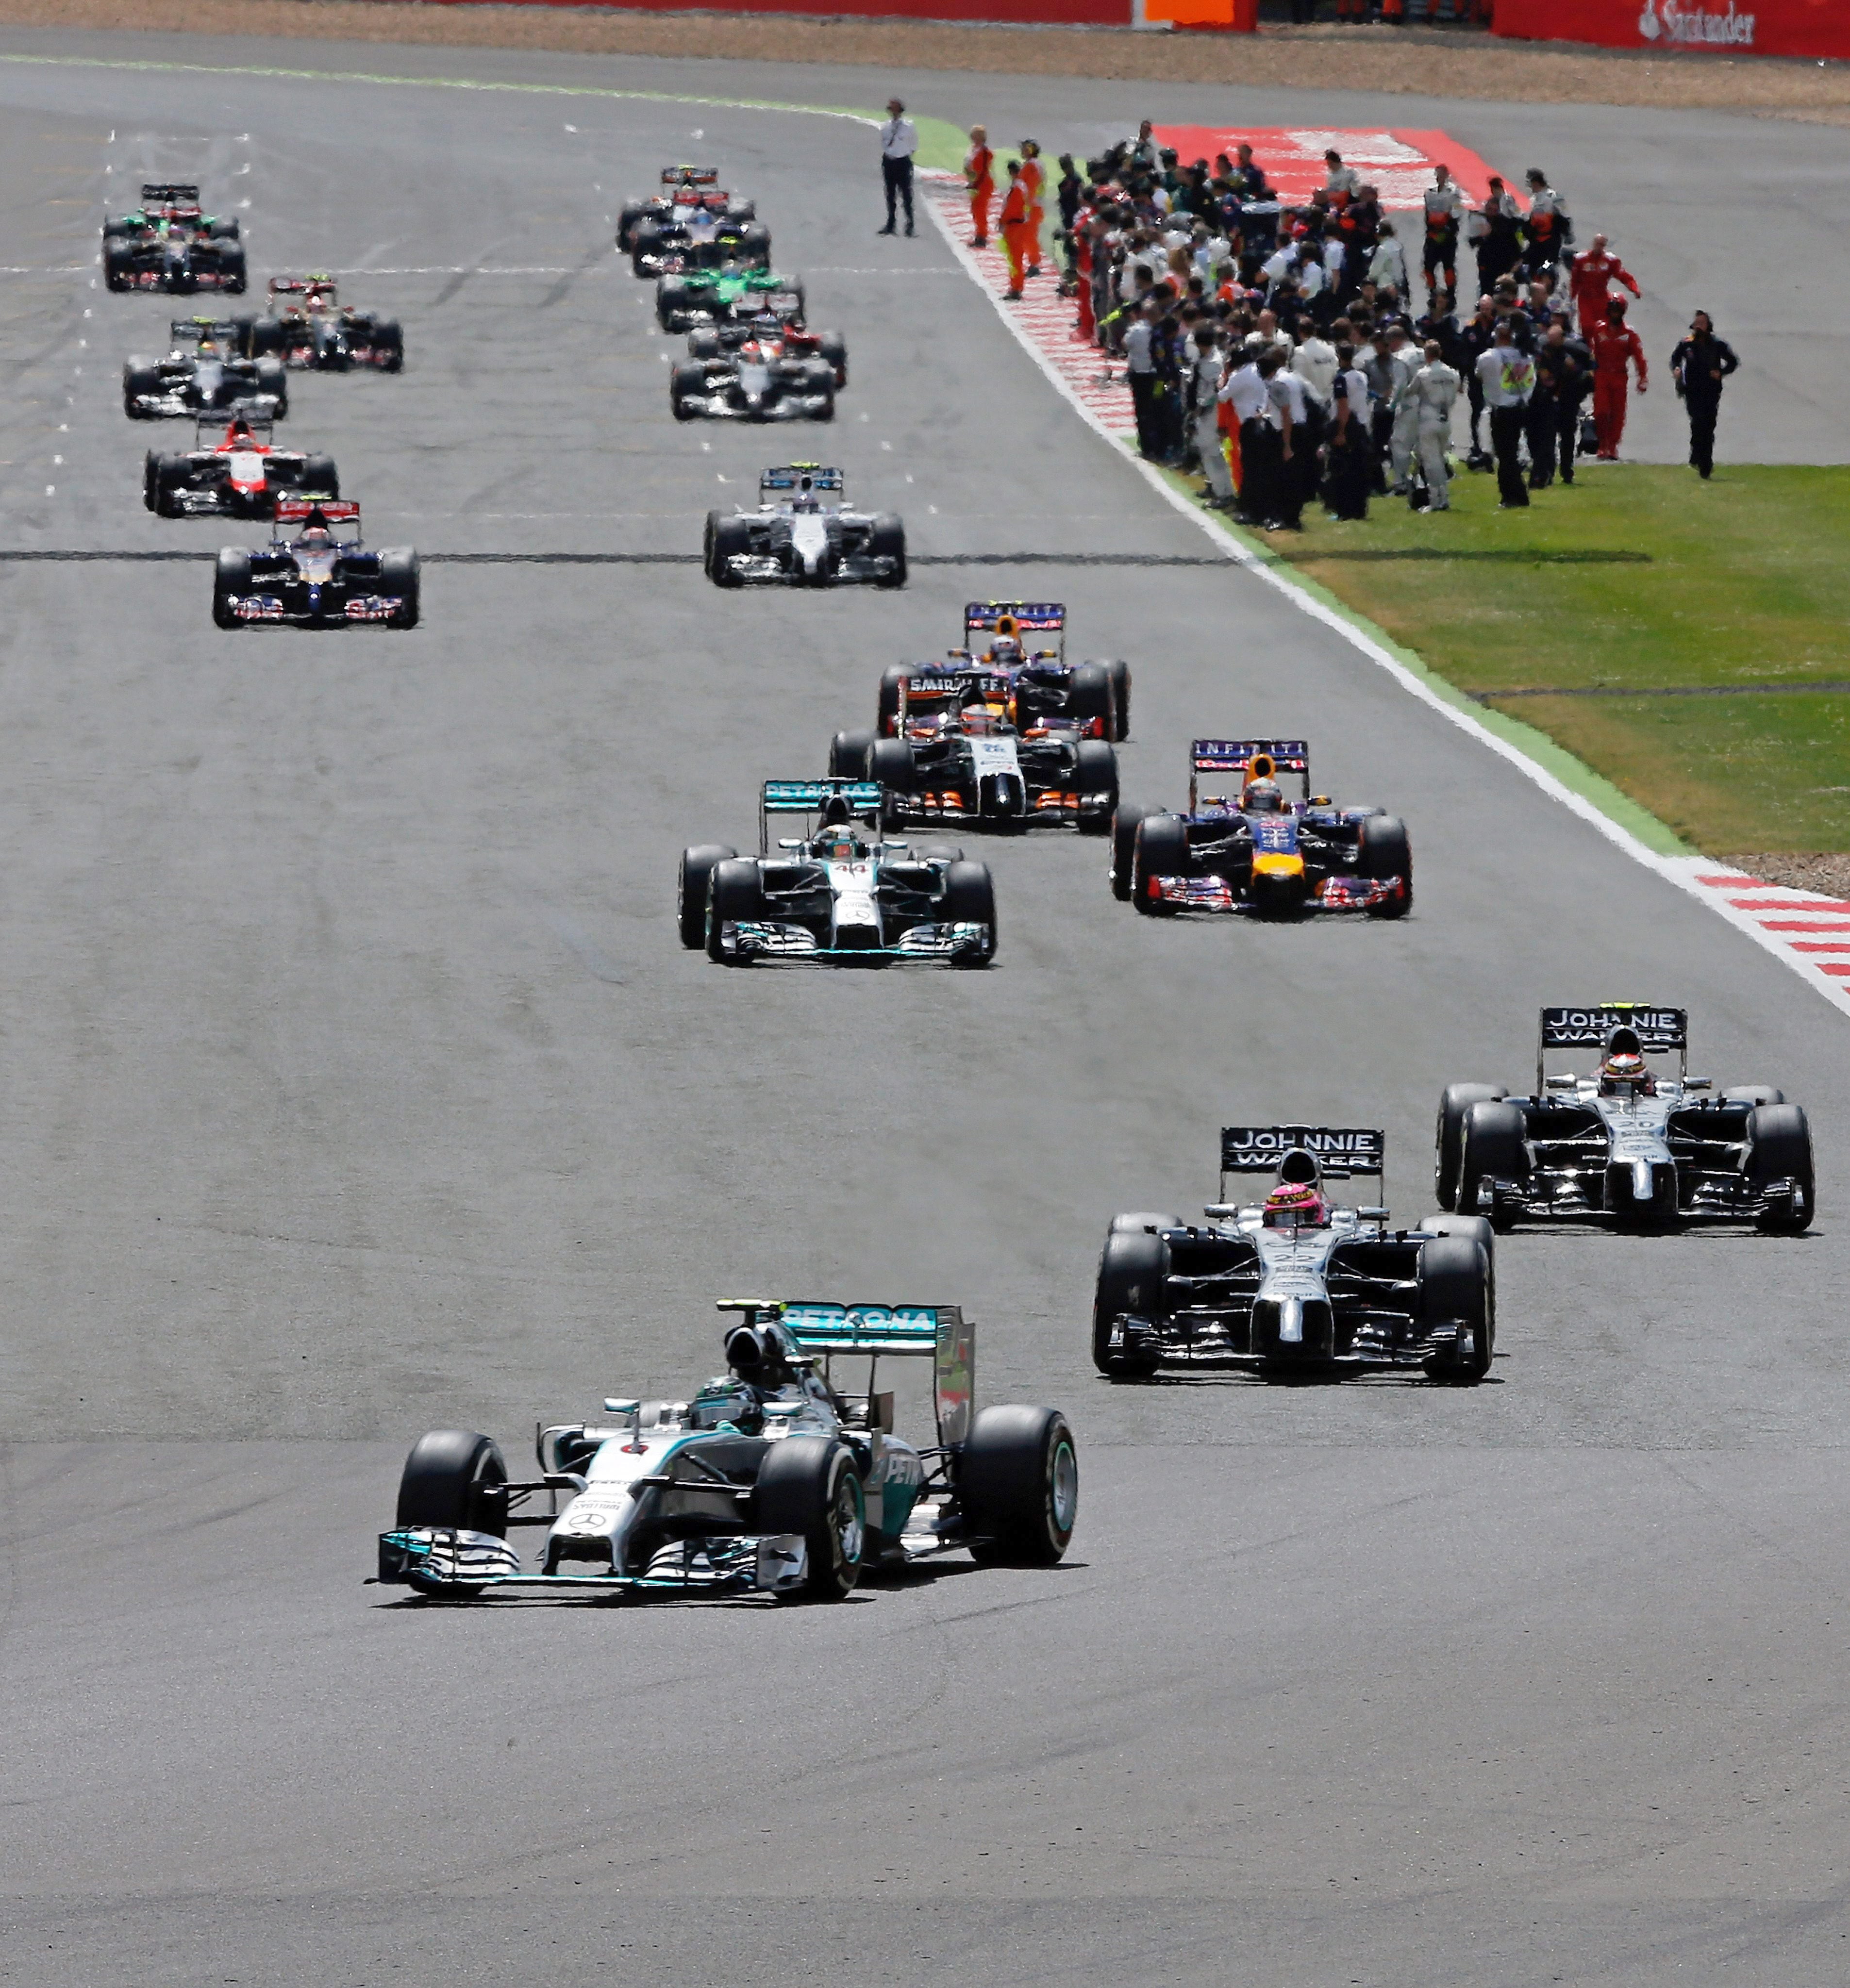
1636,578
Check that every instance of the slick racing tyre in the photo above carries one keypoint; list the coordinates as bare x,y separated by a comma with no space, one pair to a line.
388,339
1779,1147
319,477
687,392
1131,1274
1089,698
232,575
264,339
272,379
1120,674
1474,1229
632,212
230,269
703,343
969,898
1125,825
139,378
807,1485
848,752
453,1477
118,265
224,229
1455,1288
1454,1101
691,883
892,763
1383,851
732,539
398,574
158,471
737,896
1161,850
888,711
834,348
1493,1146
1018,1486
888,540
1097,773
671,301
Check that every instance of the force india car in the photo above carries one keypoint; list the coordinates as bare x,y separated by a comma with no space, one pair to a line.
315,574
802,534
685,189
1242,846
837,893
202,374
1630,1145
1299,1283
168,245
769,1481
728,294
768,375
235,471
308,327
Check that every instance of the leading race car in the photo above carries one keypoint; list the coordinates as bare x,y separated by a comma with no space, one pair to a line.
167,244
734,293
768,374
702,228
1297,1283
316,573
684,190
1242,846
804,534
308,327
837,893
235,471
203,372
1630,1143
769,1481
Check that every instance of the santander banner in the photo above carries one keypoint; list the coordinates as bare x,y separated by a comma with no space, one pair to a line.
1716,27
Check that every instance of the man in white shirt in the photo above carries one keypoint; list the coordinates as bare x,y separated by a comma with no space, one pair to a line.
1315,363
1389,264
1244,391
1435,394
1404,360
898,141
1444,204
1507,375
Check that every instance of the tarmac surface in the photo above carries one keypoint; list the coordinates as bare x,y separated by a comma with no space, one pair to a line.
359,1086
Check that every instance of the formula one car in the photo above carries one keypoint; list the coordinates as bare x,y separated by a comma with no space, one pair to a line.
235,471
781,318
837,893
308,327
1045,692
769,1481
802,534
203,372
1244,847
768,375
315,574
703,229
729,293
1630,1145
686,190
1297,1283
167,244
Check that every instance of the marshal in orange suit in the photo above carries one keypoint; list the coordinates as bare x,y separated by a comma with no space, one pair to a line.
977,174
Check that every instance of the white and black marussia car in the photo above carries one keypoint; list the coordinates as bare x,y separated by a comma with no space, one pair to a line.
1297,1283
839,892
1631,1143
234,470
769,1481
804,534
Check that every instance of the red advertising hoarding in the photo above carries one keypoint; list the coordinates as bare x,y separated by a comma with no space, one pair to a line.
1697,27
1034,13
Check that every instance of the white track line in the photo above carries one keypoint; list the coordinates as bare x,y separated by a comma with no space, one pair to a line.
1777,919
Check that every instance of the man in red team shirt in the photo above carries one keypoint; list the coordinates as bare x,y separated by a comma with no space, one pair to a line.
1591,276
1616,348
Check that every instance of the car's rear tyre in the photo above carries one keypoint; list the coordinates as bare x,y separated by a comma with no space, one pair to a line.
755,244
808,1484
824,391
1090,697
264,340
1131,1274
687,389
969,898
454,1477
224,229
1752,1095
1473,1228
732,539
627,219
1018,1486
1779,1147
891,763
834,348
1454,1274
886,718
319,477
398,573
737,896
1120,674
1454,1101
703,343
230,269
1124,824
1383,851
138,380
671,301
888,540
692,880
1492,1147
848,752
1160,849
1097,773
389,338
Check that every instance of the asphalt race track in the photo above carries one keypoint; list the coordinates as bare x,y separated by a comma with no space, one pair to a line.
357,1085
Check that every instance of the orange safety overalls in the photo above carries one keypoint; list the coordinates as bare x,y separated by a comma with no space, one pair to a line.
1013,222
1034,177
982,187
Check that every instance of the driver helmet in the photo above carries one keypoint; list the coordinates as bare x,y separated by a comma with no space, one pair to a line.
1295,1204
977,721
1006,649
241,428
1622,1070
317,537
1262,796
838,843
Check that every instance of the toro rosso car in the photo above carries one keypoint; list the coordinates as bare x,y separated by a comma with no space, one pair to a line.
203,373
308,327
316,573
769,375
167,244
686,190
1635,1143
1296,1283
837,893
769,1481
235,471
732,294
703,229
802,534
1243,847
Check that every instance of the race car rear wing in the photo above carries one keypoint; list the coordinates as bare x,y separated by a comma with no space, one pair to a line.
1028,617
1341,1151
940,1333
199,330
934,685
863,798
796,475
700,176
299,286
334,511
1247,759
210,431
1660,1031
169,193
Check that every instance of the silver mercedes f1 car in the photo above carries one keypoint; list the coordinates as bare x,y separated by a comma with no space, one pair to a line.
769,1481
1636,1143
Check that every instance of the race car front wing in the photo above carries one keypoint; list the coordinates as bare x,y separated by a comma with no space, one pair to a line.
755,938
455,1561
1335,893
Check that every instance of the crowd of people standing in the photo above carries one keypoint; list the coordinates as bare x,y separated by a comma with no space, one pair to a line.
1279,349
